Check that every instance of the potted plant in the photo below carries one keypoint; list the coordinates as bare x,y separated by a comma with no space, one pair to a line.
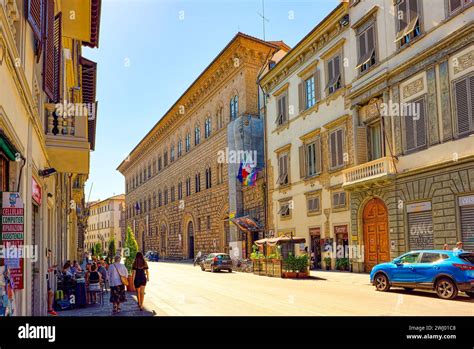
131,249
342,263
290,267
302,266
327,262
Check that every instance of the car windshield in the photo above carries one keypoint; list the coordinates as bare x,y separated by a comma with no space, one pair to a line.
409,258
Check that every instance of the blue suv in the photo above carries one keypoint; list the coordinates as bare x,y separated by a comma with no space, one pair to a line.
446,272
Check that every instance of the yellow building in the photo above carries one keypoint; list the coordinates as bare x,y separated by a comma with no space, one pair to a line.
103,223
47,122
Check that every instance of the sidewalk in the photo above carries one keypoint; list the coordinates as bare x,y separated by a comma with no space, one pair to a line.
342,277
129,308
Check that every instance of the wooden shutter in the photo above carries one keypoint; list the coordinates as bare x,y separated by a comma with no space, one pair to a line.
340,147
301,96
302,156
464,114
413,8
371,38
409,133
317,85
52,53
284,108
361,139
332,149
35,17
471,93
421,125
337,67
330,72
362,47
318,154
402,15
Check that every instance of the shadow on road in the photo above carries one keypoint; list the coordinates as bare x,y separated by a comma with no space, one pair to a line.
430,294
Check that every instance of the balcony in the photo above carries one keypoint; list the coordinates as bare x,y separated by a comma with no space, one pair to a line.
66,141
373,173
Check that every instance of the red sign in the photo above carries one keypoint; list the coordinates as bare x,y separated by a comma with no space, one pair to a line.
341,229
315,231
13,236
36,191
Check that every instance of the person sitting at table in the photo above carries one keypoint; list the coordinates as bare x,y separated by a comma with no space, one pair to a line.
93,281
76,268
67,270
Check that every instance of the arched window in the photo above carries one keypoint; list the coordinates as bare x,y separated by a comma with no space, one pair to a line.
188,186
165,196
154,200
188,142
208,178
180,147
160,199
197,135
172,153
234,107
180,190
198,182
207,127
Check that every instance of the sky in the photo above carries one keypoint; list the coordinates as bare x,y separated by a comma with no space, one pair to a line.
150,52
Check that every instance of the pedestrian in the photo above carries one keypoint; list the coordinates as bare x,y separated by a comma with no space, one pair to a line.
459,247
445,247
49,275
93,281
140,277
103,272
117,289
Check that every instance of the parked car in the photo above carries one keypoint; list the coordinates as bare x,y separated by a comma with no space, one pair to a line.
152,256
445,272
217,262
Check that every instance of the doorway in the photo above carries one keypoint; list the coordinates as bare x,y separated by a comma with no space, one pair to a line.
190,240
316,259
375,228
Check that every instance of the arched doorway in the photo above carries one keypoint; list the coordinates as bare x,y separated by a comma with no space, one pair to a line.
163,239
190,240
375,222
143,241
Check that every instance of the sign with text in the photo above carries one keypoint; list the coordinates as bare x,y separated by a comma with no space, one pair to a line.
13,219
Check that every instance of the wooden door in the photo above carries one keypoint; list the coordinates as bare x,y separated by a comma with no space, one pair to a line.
375,234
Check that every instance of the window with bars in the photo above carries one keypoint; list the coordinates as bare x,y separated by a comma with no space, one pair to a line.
334,75
464,105
415,126
282,110
336,148
366,49
339,200
408,21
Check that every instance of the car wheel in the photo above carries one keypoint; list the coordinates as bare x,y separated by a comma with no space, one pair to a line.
381,283
446,289
470,294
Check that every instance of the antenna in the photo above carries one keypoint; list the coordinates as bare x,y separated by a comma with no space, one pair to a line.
264,19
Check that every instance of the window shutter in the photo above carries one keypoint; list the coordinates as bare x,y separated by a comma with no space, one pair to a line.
335,199
331,70
49,79
35,17
284,108
362,45
317,151
302,161
301,96
402,15
421,126
371,38
337,67
471,93
361,144
332,149
57,55
409,133
340,147
285,170
317,85
461,91
342,198
413,8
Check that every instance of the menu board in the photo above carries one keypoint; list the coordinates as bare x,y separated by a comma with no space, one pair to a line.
13,219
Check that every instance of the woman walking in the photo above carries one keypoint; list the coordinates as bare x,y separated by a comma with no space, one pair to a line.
140,277
117,289
93,281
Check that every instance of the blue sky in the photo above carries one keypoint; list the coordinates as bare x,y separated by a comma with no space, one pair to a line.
152,50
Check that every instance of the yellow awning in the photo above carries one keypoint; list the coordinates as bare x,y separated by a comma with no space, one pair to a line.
77,19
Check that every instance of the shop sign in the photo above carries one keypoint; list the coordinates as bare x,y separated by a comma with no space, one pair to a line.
419,207
36,191
315,231
466,200
13,234
341,229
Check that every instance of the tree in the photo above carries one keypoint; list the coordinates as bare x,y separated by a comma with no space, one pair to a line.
130,249
111,250
98,249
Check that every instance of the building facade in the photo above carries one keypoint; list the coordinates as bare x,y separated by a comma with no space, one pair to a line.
45,151
177,178
309,132
104,223
413,100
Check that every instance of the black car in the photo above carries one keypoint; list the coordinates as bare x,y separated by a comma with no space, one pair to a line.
217,262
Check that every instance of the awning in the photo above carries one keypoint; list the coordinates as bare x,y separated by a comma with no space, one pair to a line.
247,224
408,29
280,240
84,24
7,147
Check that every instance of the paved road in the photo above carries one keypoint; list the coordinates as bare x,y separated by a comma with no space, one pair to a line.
181,289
